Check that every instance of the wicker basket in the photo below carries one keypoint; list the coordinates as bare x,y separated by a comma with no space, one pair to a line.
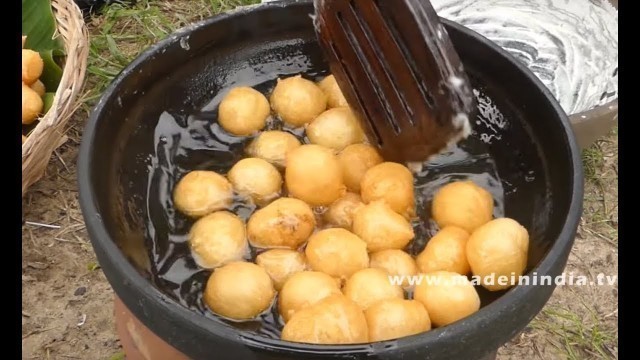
47,136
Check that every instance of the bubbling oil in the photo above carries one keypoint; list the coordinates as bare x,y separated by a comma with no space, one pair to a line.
187,142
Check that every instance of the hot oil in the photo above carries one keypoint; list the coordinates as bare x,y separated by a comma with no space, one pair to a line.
186,142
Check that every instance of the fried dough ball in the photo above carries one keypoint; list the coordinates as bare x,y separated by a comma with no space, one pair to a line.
243,111
447,296
395,318
281,264
202,192
463,204
304,289
239,290
273,146
445,251
217,239
355,160
392,183
368,286
297,100
333,320
337,252
257,179
335,128
39,88
330,87
381,228
395,262
340,213
285,223
32,66
31,105
313,175
499,247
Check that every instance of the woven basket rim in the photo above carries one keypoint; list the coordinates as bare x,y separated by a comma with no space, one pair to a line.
48,133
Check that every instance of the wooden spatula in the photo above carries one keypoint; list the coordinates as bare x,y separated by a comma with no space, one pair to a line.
398,70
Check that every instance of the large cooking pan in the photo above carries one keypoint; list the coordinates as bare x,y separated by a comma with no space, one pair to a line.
127,142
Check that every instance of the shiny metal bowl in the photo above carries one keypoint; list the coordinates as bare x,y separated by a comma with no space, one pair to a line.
593,124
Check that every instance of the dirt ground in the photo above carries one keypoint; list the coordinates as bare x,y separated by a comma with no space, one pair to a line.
67,305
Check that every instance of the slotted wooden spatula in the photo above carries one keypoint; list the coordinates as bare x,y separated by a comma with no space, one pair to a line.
398,70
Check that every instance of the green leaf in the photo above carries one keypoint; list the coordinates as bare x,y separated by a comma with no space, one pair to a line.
52,72
47,99
118,356
39,25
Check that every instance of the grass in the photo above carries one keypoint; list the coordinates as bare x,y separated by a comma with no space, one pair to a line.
118,356
578,338
121,32
601,179
592,160
577,330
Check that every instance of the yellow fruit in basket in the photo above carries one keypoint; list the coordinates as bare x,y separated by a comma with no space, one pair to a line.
297,100
285,223
497,251
463,204
313,175
368,286
38,87
239,290
447,296
335,128
395,318
355,160
391,182
304,289
243,111
31,105
217,239
32,66
202,192
273,146
333,320
445,251
330,87
281,264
